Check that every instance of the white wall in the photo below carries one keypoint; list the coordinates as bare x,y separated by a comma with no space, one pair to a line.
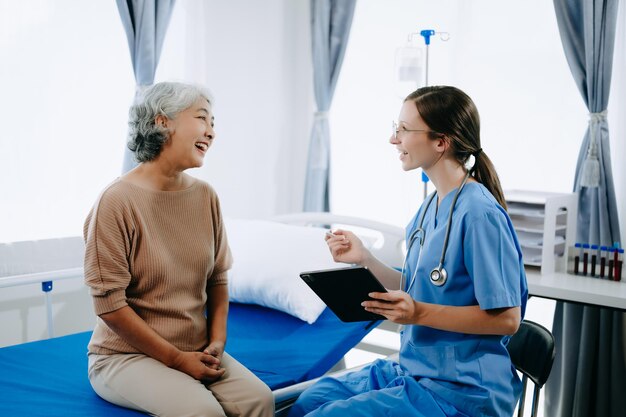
255,57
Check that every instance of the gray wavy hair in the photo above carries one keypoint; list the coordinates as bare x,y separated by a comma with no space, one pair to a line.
145,137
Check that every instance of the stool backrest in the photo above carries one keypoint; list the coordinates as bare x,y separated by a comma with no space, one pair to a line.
532,351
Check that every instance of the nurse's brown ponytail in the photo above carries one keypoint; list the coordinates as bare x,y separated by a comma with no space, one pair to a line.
450,112
486,174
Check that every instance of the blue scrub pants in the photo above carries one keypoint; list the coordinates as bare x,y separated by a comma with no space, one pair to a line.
381,389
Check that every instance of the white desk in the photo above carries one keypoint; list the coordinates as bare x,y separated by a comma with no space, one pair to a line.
586,290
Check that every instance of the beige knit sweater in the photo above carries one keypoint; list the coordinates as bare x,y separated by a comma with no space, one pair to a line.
157,252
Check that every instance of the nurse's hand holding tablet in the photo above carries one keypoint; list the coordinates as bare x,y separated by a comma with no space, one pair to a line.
395,305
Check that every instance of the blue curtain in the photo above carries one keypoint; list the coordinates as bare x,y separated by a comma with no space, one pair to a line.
145,23
589,374
330,27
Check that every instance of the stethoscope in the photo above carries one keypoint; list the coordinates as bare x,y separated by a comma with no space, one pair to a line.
438,276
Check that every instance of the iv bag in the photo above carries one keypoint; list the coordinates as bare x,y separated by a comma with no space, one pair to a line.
409,69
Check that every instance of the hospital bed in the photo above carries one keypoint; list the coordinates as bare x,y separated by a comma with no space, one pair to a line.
49,377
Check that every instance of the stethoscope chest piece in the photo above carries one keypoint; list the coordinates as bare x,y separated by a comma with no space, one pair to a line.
438,276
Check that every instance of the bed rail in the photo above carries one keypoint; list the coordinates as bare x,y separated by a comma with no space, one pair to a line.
41,262
46,280
388,247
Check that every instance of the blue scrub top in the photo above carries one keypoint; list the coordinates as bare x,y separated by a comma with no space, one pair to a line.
485,268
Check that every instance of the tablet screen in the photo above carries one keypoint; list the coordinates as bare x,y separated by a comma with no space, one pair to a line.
344,289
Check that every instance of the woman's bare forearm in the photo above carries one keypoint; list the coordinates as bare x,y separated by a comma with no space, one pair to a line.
136,332
217,313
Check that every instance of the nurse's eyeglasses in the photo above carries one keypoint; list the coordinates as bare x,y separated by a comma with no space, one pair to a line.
396,131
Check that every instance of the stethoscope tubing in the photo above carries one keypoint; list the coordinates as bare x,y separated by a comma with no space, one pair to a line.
438,276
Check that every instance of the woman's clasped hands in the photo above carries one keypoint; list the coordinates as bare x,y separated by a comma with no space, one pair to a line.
203,366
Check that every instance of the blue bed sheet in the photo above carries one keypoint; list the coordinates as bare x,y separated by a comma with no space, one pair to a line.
283,350
49,377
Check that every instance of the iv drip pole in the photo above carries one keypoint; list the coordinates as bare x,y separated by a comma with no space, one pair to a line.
427,33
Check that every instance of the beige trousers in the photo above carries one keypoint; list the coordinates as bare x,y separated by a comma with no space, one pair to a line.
142,383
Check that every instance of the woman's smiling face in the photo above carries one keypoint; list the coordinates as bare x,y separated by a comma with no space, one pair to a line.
190,135
416,148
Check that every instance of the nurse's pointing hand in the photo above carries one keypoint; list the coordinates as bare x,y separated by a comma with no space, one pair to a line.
346,247
397,306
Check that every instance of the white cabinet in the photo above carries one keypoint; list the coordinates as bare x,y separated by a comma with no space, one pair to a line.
545,224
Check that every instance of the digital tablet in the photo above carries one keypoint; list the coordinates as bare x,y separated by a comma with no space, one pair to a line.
344,289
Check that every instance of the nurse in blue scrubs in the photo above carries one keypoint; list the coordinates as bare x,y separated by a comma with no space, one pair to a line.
459,298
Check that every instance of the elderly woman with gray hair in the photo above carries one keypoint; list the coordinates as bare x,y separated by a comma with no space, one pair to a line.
156,261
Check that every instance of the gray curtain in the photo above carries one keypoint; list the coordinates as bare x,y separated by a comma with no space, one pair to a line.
589,374
145,23
330,27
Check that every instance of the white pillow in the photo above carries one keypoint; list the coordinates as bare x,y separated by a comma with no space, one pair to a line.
268,258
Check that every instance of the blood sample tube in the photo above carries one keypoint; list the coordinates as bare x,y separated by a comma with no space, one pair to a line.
602,260
594,259
585,258
618,265
577,258
611,252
